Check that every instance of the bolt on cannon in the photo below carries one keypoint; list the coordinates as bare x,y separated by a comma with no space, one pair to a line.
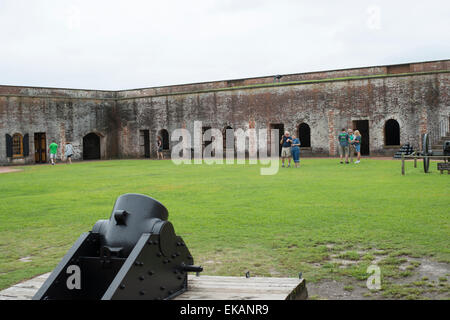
133,255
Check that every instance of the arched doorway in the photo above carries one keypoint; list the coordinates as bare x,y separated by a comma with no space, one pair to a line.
91,147
392,133
230,144
207,139
363,127
304,134
280,128
164,134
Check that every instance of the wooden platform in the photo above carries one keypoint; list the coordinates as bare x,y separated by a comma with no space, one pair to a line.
201,288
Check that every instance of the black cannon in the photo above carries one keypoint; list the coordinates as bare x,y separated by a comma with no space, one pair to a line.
426,151
133,255
446,148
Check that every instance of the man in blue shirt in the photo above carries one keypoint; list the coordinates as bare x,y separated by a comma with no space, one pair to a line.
344,141
286,142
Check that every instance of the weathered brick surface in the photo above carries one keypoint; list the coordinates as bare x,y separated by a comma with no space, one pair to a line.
61,119
416,100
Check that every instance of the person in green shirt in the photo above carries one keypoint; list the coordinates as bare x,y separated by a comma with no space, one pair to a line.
344,141
53,149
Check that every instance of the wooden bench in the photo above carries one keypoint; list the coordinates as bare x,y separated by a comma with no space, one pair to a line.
201,288
441,166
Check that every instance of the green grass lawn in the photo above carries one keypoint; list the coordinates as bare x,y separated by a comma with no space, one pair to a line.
232,218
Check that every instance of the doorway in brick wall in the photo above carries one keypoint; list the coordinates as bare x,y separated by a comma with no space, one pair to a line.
280,128
363,127
40,147
91,147
304,134
144,143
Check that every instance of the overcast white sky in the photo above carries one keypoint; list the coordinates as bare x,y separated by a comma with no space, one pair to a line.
99,44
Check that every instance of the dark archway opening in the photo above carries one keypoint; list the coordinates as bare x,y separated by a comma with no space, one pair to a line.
206,137
164,134
144,143
363,127
230,141
91,147
392,133
304,134
280,128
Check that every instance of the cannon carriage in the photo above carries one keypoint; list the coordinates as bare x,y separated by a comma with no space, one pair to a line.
133,255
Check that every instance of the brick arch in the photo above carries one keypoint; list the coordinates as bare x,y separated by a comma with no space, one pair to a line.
224,136
92,146
164,135
304,134
392,132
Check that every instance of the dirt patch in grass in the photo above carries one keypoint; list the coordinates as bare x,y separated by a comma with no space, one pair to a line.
8,170
342,262
402,276
340,290
425,269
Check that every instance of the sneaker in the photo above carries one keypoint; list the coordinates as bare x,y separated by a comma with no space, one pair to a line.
357,161
346,162
341,162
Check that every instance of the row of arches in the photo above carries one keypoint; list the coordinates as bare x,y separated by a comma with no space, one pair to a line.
391,134
304,134
163,134
18,144
91,142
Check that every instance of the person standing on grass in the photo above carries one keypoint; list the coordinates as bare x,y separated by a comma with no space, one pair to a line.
53,149
69,152
357,144
160,148
286,142
344,141
295,150
351,147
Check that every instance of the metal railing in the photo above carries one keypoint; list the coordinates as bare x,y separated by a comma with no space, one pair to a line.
439,131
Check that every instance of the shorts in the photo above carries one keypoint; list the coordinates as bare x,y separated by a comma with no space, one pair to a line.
160,149
296,154
351,147
358,147
344,150
285,152
69,155
52,155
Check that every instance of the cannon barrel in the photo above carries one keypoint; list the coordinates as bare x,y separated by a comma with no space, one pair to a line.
133,255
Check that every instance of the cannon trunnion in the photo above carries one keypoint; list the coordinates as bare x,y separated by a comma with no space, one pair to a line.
133,255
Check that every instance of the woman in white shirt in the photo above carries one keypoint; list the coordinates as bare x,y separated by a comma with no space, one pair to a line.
68,151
